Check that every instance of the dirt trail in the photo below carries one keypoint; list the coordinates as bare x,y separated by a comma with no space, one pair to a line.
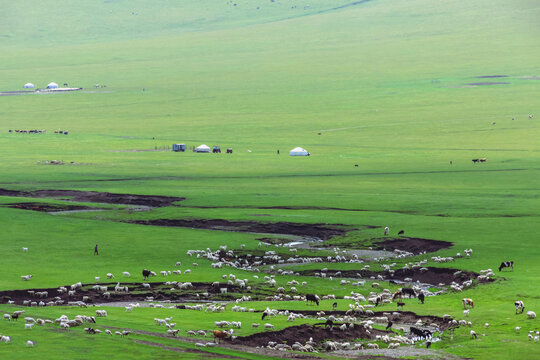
96,197
319,231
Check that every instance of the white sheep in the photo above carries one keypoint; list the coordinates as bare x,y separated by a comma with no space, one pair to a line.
26,277
126,274
29,343
531,315
25,249
110,276
268,326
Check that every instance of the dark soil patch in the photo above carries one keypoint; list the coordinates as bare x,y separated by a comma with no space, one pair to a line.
487,83
491,76
34,206
320,231
302,333
159,291
433,275
413,245
96,197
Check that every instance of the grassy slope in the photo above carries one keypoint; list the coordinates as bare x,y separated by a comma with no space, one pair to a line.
382,82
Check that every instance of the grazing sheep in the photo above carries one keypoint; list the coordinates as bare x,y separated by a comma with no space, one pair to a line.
28,326
110,276
26,277
473,334
126,274
531,315
269,326
25,249
29,343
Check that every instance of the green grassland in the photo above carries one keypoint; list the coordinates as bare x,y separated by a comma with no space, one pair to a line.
381,84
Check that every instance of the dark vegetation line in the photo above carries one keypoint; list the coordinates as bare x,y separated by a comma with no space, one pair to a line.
171,177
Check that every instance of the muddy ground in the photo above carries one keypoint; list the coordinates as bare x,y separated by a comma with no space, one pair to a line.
303,333
413,245
96,197
45,207
433,276
320,231
159,291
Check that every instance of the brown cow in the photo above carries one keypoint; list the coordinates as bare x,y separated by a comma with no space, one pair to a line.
467,302
219,334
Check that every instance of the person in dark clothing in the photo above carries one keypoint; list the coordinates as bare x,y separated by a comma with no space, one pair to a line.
96,250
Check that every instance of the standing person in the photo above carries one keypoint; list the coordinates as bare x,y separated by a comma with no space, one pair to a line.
96,250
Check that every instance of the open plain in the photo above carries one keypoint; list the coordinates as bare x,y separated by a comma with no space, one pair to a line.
392,99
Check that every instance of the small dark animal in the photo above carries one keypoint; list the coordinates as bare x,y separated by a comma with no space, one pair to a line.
426,334
265,314
428,344
15,316
401,232
421,297
507,264
389,326
355,165
334,306
146,273
378,301
312,298
475,160
409,292
329,324
417,332
65,84
400,304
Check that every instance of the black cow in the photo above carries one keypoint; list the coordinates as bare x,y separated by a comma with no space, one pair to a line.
329,324
507,264
409,292
312,298
421,333
146,273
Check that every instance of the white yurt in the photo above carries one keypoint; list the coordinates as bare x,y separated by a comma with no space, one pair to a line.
202,149
29,86
298,151
52,85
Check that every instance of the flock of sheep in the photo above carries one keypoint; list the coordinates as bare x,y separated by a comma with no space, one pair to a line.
361,305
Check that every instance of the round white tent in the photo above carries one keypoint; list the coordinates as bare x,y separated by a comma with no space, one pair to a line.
202,149
52,85
298,151
29,86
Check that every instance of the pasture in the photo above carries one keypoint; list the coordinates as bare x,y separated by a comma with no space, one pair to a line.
392,99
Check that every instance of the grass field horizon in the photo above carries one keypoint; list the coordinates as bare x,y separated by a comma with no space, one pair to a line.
392,99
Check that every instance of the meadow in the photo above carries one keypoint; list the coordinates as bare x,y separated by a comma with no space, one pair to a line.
392,99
